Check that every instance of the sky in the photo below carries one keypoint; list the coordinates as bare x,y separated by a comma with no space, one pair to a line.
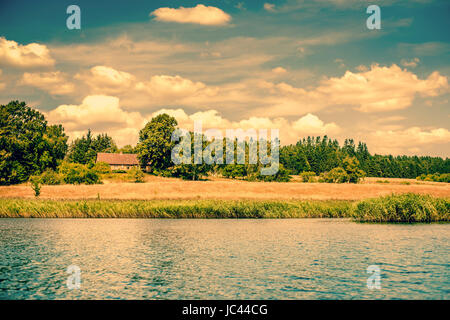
303,67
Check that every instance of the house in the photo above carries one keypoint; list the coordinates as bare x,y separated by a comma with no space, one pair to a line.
119,161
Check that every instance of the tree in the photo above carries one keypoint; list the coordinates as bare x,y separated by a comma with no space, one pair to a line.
155,144
84,150
351,165
127,149
27,145
193,171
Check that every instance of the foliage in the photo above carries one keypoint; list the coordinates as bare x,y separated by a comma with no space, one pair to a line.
323,154
136,175
308,176
27,144
351,165
336,175
51,177
192,171
76,173
408,207
119,171
444,177
127,149
84,150
155,144
35,185
282,175
101,168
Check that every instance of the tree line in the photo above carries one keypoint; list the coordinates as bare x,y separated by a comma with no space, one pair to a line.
322,154
30,147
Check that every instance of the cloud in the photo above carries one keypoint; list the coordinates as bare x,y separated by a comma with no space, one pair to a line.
101,114
23,56
54,83
106,79
269,7
164,89
200,14
2,85
381,88
279,70
407,141
423,49
290,131
411,63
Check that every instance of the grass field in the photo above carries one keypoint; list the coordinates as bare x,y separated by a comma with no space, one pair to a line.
158,188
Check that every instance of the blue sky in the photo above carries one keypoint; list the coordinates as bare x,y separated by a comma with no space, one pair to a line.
305,67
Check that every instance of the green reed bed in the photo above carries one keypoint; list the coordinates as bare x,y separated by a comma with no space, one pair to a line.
395,208
18,208
406,208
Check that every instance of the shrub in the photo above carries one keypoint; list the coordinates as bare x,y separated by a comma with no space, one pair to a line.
51,177
101,168
308,176
119,171
136,174
282,175
35,185
444,177
336,175
75,173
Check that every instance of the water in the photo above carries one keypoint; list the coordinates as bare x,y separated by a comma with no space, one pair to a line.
221,259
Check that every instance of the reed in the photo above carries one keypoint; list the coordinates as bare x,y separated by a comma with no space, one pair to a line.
395,208
36,208
406,208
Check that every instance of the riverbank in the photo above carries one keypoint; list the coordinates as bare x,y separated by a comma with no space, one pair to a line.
395,208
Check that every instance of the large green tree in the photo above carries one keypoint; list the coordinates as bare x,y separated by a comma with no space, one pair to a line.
155,144
27,145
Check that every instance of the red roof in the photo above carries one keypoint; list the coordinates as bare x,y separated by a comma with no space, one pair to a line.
118,158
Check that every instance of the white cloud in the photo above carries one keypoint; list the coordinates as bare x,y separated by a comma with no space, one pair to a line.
199,14
54,83
407,141
381,88
107,80
290,131
30,55
101,114
411,63
279,70
269,7
165,89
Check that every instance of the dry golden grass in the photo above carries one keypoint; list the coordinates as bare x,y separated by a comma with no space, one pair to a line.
170,188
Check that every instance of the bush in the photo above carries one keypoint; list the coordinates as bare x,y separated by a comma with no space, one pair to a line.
444,177
336,175
308,176
119,171
282,175
35,185
75,173
101,168
136,174
51,177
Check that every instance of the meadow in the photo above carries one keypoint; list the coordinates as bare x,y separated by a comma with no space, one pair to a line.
159,188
